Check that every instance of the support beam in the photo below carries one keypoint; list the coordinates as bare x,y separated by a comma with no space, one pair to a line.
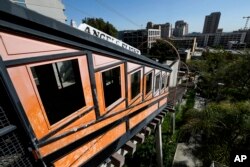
130,147
117,160
163,114
156,120
152,125
161,118
146,131
173,120
139,138
158,142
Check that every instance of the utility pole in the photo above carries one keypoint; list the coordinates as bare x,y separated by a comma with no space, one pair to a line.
247,17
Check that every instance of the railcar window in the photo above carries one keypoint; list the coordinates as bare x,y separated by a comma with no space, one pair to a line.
111,85
164,81
60,88
157,82
168,80
135,84
149,82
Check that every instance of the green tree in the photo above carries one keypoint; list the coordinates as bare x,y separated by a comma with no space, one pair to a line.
101,25
237,78
220,128
223,75
162,50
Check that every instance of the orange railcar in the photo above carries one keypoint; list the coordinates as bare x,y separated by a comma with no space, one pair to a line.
68,97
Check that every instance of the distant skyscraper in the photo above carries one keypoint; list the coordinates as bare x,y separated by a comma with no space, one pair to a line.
181,28
211,23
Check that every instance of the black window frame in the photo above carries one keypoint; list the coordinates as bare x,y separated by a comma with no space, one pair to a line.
106,92
163,82
54,96
137,89
159,84
146,85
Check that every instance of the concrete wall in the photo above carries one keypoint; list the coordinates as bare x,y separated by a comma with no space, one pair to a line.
51,8
174,73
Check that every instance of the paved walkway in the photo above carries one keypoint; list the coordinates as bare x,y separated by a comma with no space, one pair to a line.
184,158
183,155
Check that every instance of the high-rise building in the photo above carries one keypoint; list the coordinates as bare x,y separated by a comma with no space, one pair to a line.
50,8
165,29
181,28
211,23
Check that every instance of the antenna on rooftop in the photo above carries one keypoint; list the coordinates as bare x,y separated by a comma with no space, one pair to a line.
247,17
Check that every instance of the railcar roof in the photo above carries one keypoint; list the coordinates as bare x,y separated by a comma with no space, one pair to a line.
19,19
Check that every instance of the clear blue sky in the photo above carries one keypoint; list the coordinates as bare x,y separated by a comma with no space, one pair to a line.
134,14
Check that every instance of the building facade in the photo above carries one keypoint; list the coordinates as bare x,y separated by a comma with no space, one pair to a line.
50,8
153,35
165,29
141,39
211,23
185,43
181,28
219,38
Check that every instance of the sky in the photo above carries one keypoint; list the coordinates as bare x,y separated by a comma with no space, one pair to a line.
134,14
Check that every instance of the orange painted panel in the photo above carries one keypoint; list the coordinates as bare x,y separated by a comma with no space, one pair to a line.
14,47
100,93
45,150
144,104
81,155
163,101
28,94
88,118
24,88
50,148
136,101
141,116
149,96
119,107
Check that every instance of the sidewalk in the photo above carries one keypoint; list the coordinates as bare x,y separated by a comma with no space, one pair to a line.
184,158
183,155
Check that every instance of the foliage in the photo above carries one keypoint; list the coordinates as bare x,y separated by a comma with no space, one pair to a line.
162,50
223,75
218,129
145,155
101,25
